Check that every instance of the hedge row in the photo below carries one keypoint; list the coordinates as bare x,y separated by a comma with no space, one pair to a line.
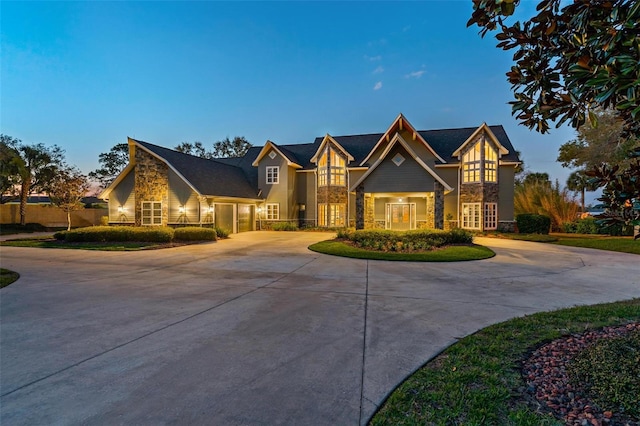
153,234
408,241
533,223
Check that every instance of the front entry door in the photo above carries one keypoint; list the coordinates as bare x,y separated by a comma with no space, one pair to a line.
400,217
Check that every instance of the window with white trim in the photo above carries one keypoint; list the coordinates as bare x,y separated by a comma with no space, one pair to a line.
331,169
490,163
273,211
490,215
471,164
471,215
331,214
151,213
273,174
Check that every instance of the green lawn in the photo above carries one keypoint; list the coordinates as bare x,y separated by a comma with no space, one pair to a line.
601,242
447,254
7,277
108,246
476,381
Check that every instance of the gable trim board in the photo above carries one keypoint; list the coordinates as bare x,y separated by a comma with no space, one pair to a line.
240,180
399,139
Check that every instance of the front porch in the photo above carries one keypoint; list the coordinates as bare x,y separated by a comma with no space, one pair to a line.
400,211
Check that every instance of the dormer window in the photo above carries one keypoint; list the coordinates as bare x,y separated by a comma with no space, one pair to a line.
331,169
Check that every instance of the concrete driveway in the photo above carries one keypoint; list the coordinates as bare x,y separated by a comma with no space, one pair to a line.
257,329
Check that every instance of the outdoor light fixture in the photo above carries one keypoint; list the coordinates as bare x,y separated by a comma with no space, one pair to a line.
211,208
259,209
120,209
400,199
303,207
181,209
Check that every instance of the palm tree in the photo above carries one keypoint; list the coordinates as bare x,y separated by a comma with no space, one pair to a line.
578,181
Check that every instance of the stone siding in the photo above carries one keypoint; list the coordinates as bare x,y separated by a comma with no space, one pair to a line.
151,184
438,208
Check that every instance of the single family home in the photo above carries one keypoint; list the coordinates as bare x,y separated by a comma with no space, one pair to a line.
401,179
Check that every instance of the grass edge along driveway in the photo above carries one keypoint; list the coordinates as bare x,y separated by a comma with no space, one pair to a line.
477,380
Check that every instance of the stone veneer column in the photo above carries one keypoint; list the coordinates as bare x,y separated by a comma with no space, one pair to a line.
360,207
151,184
438,205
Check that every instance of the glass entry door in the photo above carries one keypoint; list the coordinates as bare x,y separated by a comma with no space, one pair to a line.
401,216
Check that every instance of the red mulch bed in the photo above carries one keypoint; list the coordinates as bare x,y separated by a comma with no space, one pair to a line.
550,389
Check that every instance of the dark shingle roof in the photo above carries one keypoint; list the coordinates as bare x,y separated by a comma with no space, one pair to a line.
209,177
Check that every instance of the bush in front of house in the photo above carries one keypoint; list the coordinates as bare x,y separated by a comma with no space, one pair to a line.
407,241
533,223
284,226
194,233
154,234
587,225
221,233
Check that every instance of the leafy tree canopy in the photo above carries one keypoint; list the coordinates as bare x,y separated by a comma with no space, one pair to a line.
66,190
111,164
231,148
599,144
11,164
570,59
195,148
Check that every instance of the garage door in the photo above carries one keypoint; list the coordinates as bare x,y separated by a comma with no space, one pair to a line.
224,217
245,217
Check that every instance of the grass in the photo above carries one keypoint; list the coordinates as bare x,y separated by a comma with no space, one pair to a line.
7,277
447,254
600,242
106,246
477,381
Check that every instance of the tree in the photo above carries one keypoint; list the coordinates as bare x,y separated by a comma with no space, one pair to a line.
539,196
599,144
67,189
231,148
112,163
536,177
578,181
11,165
196,149
569,60
40,167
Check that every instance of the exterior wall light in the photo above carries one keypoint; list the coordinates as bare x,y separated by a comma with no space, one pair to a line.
181,209
120,209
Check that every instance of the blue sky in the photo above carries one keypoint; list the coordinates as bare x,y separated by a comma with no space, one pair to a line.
85,75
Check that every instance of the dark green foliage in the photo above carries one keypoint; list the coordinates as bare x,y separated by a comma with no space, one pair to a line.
588,225
16,228
610,373
221,233
284,226
408,241
7,277
533,223
194,233
120,233
60,235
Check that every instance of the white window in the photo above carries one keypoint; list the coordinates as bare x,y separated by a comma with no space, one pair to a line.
273,211
273,174
151,213
490,163
471,164
331,214
331,169
471,215
490,216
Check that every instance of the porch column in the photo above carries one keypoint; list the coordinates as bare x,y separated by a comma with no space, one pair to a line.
438,207
360,207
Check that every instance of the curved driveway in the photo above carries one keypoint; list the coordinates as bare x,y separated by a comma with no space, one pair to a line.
257,329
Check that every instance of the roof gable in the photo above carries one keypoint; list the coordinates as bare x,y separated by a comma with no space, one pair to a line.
483,128
327,140
287,155
397,139
401,123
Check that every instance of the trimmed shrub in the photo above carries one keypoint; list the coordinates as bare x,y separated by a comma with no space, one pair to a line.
120,233
194,233
408,241
60,235
221,233
104,220
533,223
284,226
